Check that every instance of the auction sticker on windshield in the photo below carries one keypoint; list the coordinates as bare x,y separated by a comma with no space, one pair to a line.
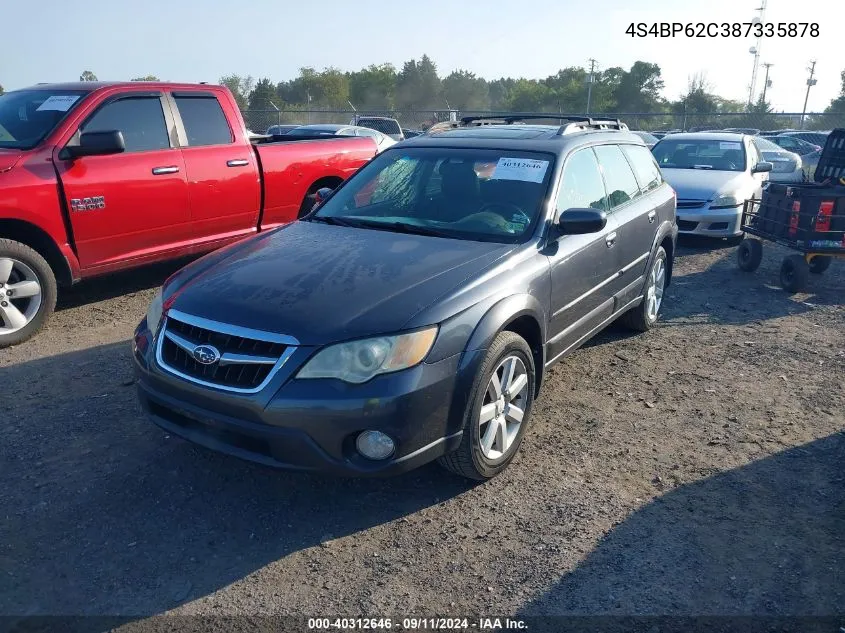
60,103
730,145
526,169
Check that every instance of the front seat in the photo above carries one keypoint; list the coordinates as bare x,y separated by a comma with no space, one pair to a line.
460,192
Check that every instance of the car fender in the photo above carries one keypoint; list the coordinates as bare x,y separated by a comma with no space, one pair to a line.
670,230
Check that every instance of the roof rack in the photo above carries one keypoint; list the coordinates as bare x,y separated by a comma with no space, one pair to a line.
576,123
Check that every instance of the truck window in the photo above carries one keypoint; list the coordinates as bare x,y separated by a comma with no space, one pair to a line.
205,123
141,120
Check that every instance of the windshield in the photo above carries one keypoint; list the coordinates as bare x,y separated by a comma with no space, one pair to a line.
312,131
471,194
28,116
648,138
700,154
767,146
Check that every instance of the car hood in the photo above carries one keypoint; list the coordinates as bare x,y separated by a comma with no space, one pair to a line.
321,283
705,184
8,158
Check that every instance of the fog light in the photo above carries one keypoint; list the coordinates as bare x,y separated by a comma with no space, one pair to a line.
375,445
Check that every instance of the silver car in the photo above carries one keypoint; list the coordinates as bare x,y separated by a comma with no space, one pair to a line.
713,173
787,166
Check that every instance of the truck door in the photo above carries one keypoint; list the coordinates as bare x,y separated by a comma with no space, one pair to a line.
132,205
222,170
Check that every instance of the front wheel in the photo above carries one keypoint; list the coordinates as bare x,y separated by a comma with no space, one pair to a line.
27,292
643,317
497,411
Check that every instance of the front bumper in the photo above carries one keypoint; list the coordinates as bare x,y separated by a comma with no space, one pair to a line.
310,425
710,222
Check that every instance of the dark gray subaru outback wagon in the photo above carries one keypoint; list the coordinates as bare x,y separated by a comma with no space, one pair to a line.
413,313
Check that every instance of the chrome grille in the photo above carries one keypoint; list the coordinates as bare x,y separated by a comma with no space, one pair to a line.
232,358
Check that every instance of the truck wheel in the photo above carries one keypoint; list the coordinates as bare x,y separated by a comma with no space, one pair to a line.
820,263
643,317
497,412
794,273
749,255
27,292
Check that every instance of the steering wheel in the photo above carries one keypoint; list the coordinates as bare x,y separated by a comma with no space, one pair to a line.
492,218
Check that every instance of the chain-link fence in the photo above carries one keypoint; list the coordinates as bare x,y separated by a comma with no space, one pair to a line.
261,120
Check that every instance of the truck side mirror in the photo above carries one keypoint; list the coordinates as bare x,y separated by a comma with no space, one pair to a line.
97,144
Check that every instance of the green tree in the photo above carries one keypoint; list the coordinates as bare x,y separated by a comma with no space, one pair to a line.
240,87
464,91
373,87
418,86
1,89
499,91
87,75
528,95
638,89
147,78
263,96
837,106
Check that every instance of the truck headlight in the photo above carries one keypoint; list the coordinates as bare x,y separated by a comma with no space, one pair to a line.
154,312
726,201
359,361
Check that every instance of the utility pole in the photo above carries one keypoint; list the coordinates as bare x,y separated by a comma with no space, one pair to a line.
766,82
810,83
755,50
590,80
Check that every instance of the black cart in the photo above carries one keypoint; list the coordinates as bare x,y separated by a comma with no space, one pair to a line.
807,217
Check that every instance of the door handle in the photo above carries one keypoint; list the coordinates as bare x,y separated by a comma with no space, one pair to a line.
652,216
161,171
238,162
610,239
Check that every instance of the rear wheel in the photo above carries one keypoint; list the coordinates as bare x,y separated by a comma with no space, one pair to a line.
643,317
820,263
794,273
749,255
498,410
27,292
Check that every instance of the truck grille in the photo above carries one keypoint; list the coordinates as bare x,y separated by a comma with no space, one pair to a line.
220,355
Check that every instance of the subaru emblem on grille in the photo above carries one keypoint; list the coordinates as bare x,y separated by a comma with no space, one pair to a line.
206,354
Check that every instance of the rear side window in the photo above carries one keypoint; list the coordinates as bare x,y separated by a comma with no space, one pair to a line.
645,167
582,186
140,119
619,180
204,121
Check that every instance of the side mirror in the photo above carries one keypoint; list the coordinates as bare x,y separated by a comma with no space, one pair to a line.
581,221
761,168
323,194
97,144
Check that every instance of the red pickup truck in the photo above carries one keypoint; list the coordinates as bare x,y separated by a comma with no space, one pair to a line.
99,177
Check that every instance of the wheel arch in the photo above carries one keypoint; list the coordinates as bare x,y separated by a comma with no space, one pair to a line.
41,242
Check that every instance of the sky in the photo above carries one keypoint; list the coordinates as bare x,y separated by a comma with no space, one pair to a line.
202,40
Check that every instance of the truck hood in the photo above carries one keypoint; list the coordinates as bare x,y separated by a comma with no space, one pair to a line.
706,184
8,158
322,284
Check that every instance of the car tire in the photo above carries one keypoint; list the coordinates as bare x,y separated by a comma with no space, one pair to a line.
820,263
22,316
749,255
493,427
642,318
794,273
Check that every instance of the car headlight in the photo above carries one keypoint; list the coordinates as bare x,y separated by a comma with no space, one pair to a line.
359,361
726,201
154,312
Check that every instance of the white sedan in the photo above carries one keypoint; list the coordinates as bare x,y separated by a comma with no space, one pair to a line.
382,141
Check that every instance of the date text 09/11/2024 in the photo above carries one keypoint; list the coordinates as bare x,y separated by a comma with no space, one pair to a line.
723,29
415,624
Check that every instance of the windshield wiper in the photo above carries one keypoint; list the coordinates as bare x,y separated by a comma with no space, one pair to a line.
328,219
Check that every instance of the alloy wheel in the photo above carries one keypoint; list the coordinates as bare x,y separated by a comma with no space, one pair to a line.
503,408
20,295
656,286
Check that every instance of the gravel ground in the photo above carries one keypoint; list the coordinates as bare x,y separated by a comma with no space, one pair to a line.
696,469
